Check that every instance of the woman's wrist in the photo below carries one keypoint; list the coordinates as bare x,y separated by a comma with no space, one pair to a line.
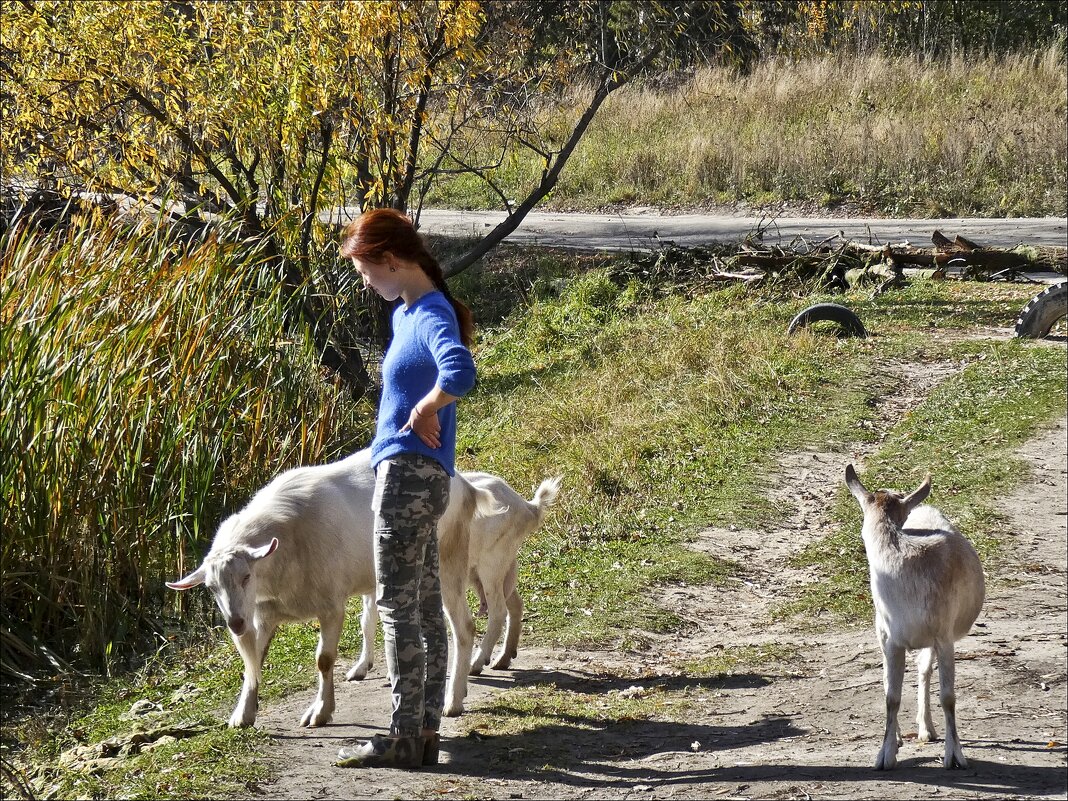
423,412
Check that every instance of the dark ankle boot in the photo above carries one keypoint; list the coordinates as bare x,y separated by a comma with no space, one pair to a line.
431,746
383,752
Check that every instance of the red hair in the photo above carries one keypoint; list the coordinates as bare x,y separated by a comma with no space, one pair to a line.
380,231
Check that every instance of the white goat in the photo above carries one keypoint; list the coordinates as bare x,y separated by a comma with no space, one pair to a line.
927,586
492,568
495,544
319,520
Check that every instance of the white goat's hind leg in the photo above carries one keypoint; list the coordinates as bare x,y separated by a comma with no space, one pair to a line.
893,676
925,731
498,612
954,756
252,645
322,708
369,628
462,626
511,636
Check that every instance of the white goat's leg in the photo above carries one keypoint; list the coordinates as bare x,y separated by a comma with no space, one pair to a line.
954,756
322,708
252,645
462,626
511,636
925,731
497,614
893,676
369,629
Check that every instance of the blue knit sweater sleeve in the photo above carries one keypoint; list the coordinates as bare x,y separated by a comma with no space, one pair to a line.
426,351
440,333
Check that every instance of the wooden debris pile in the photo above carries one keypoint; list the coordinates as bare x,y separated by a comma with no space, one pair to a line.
838,263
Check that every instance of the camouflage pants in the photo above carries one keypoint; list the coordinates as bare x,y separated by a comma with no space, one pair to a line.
411,493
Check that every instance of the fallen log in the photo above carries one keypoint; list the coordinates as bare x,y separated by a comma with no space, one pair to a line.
991,260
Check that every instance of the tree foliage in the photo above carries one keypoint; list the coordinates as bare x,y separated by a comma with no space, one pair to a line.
271,112
261,111
268,109
930,28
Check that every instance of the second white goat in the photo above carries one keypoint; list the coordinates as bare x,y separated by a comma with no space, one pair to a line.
495,541
495,544
927,587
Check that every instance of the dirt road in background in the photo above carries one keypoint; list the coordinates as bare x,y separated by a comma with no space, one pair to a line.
806,728
647,228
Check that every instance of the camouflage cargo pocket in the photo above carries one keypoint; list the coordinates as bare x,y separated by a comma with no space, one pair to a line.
411,489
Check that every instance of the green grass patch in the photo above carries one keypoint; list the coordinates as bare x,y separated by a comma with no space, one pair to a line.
965,433
729,660
196,687
661,411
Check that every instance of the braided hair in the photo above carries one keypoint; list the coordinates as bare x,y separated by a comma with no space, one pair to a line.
379,231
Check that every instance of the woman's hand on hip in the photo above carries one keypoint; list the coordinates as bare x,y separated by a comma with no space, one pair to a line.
426,426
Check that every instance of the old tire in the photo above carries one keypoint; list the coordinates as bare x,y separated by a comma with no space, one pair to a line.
829,312
1040,314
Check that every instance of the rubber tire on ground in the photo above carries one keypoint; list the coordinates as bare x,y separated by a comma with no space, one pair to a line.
1037,318
829,312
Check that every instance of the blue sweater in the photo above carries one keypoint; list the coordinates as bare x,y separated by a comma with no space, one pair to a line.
426,351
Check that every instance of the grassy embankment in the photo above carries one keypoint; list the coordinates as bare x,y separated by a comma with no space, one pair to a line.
882,136
662,409
663,416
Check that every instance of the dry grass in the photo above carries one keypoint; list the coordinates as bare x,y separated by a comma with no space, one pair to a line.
887,135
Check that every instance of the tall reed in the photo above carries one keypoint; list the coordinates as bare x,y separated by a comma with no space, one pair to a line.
145,390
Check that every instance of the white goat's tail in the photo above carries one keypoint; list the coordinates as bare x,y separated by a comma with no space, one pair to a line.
546,495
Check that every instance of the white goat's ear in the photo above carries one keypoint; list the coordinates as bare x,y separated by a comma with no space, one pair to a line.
858,490
264,550
919,495
194,579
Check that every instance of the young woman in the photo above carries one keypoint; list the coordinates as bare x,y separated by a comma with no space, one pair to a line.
426,368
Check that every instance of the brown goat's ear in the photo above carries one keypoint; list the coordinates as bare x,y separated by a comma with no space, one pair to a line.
918,495
858,489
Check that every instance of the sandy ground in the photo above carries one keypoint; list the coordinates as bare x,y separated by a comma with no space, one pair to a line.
809,728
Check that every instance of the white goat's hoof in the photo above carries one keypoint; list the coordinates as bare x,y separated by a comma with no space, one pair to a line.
476,668
503,662
453,709
357,673
317,715
886,761
954,759
244,714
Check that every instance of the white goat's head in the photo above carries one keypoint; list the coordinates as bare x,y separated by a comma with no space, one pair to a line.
230,574
884,503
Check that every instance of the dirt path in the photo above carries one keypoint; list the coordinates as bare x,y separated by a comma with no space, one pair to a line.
648,228
806,729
